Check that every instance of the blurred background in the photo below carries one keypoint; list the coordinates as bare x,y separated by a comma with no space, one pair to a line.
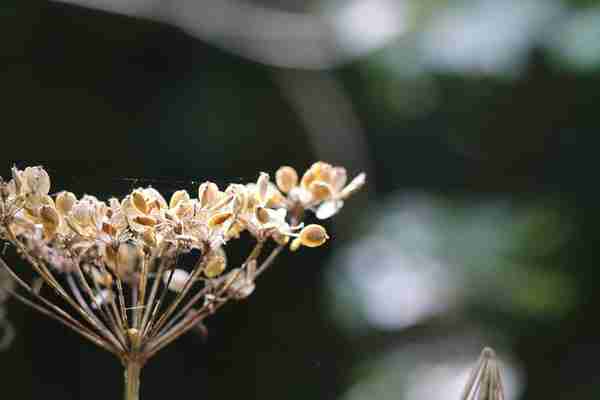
474,119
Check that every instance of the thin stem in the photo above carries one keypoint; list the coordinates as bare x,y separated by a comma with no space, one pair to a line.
133,369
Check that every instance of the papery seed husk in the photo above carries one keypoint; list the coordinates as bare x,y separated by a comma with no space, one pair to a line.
313,235
139,202
65,201
320,190
286,178
218,219
208,194
262,186
178,197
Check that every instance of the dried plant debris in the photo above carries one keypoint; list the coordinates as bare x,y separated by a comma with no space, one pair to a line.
485,382
112,270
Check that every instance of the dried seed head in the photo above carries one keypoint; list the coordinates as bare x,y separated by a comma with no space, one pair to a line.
313,235
286,178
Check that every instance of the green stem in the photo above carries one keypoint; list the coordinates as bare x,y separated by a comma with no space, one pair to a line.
133,369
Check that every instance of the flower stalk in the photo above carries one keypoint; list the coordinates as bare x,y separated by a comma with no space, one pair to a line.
133,371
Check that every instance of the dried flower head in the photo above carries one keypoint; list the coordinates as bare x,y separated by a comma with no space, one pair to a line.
116,263
485,382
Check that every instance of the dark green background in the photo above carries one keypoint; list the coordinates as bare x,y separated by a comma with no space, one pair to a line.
109,102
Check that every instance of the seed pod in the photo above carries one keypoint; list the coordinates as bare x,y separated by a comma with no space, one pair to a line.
262,187
178,197
262,215
50,221
102,278
145,220
216,264
37,180
286,178
138,200
208,194
65,202
219,219
320,190
338,178
313,235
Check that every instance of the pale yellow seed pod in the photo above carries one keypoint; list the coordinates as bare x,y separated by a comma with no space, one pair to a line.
262,215
320,190
218,219
65,202
215,266
37,180
286,178
322,171
139,202
145,220
208,194
178,197
313,235
262,187
50,221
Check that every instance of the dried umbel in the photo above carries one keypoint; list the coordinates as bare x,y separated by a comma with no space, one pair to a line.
485,382
116,263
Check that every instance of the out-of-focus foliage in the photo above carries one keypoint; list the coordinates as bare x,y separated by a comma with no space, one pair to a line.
485,107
